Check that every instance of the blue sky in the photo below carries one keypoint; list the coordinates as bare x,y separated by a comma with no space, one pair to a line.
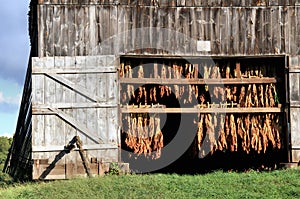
14,55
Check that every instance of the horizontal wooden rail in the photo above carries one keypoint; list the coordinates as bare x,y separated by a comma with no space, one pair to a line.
263,80
43,71
72,106
201,110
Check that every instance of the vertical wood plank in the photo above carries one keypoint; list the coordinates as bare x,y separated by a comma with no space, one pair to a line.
159,33
139,32
224,32
112,84
112,125
235,31
99,35
49,84
276,30
131,26
113,20
88,25
71,31
193,25
38,130
185,23
80,26
49,34
92,123
59,63
166,41
216,49
268,30
146,34
91,85
38,90
58,134
295,137
215,34
200,21
282,29
70,132
242,28
105,30
57,36
102,122
285,27
49,130
65,31
255,34
263,35
253,40
69,95
297,31
294,30
41,28
122,29
102,87
178,29
81,80
153,30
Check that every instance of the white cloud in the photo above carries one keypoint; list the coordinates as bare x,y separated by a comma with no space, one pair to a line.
15,100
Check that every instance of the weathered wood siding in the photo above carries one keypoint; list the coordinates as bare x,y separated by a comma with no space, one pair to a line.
241,28
173,28
294,99
68,30
179,3
73,96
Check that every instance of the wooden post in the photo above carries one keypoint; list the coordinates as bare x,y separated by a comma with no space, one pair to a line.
84,161
155,68
238,69
196,71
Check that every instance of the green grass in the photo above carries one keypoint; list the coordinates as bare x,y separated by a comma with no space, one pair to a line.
275,184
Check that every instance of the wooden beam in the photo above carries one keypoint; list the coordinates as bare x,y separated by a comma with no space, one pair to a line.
264,80
37,111
73,106
71,85
199,57
201,110
44,71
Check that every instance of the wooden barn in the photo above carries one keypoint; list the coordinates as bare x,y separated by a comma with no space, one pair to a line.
149,82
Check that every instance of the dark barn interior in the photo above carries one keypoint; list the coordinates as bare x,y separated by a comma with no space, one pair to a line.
249,90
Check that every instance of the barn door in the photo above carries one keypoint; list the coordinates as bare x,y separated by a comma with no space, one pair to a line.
73,96
294,99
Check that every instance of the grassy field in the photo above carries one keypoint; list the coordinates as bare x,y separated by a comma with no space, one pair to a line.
275,184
